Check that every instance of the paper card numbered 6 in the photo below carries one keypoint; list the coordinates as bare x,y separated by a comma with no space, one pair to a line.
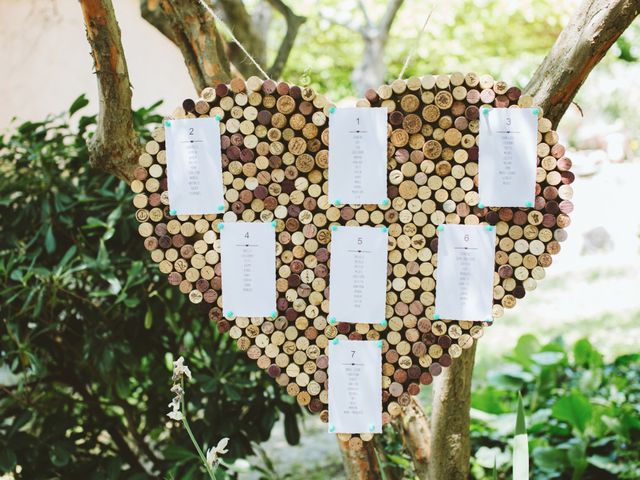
355,386
248,257
358,156
464,277
507,157
358,275
194,166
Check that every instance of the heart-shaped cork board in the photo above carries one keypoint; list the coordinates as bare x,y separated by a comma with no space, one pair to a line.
275,167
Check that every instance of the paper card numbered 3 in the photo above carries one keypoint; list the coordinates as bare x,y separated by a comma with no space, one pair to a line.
358,275
358,156
248,257
507,157
464,277
355,386
194,166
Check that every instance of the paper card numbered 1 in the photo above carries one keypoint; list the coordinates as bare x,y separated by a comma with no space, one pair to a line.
358,275
248,256
507,157
355,386
358,156
194,166
464,277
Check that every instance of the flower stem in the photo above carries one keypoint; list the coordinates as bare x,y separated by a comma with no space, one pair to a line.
185,422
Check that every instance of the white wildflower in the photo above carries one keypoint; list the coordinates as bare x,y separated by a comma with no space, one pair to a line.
175,415
180,370
214,452
177,390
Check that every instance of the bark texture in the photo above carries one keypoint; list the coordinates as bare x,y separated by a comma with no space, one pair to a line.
594,27
360,463
414,428
294,22
450,447
115,146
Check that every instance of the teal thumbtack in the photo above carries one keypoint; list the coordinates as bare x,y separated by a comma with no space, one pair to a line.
220,226
334,228
220,207
386,202
332,109
274,314
167,123
489,320
379,343
338,203
331,428
529,204
535,111
383,323
332,321
440,228
372,427
172,212
489,228
274,224
485,111
218,117
480,205
335,341
229,314
436,316
385,229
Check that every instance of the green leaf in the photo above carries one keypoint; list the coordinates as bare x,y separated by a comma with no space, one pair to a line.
148,319
177,453
50,240
574,409
291,430
59,456
547,358
550,460
77,104
8,460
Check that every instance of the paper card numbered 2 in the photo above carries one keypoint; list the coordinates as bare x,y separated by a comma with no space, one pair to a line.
464,277
507,161
194,166
358,156
358,275
248,257
355,386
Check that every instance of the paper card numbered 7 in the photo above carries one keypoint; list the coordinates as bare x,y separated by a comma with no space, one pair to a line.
248,257
358,275
358,156
464,277
507,157
355,386
194,166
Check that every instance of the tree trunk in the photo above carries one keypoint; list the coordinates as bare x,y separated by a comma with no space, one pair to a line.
370,71
115,146
592,30
450,446
414,428
360,463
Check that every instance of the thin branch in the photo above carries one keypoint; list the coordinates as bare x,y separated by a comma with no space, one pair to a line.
294,22
389,15
365,13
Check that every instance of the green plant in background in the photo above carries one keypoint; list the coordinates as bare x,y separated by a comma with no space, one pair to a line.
584,417
86,320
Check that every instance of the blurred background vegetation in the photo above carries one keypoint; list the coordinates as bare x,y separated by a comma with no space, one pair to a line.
89,327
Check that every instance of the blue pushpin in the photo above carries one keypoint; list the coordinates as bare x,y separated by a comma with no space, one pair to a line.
167,123
489,320
229,314
274,224
274,314
440,228
338,203
220,226
383,323
529,204
331,428
436,316
332,109
535,111
489,228
485,111
332,321
372,427
218,117
480,205
385,229
172,212
220,208
386,202
335,341
379,343
334,228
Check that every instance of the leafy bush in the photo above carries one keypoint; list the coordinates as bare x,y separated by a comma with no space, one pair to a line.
89,327
583,415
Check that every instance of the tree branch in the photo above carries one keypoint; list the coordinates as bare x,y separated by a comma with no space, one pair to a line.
414,428
294,22
150,10
360,463
115,146
389,15
593,28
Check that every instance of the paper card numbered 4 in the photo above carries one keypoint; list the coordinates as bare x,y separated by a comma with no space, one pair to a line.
507,157
358,156
464,277
355,386
194,166
248,257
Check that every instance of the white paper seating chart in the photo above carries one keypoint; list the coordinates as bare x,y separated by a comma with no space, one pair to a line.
358,156
464,278
355,386
248,257
358,275
507,157
194,168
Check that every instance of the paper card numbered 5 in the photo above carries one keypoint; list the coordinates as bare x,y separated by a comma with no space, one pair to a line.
194,166
355,386
248,257
507,157
358,156
464,277
358,275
